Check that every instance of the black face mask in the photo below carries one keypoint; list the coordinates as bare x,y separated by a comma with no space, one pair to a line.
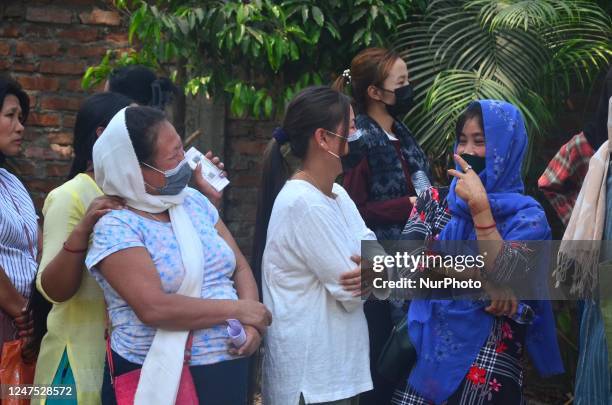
403,101
478,163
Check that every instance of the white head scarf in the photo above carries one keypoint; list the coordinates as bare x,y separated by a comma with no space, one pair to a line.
117,172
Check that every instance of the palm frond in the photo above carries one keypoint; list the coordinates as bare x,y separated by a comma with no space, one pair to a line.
526,52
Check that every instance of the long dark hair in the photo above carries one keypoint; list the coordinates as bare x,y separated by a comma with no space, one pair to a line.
142,85
314,107
96,111
9,86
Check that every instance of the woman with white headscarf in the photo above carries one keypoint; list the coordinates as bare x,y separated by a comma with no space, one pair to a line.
168,265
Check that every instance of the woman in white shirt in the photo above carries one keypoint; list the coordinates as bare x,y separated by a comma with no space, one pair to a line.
316,350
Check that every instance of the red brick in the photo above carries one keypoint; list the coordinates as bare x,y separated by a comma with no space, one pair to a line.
9,31
38,83
57,169
60,103
65,152
14,10
49,15
43,186
100,17
87,51
69,120
31,133
5,48
242,180
5,64
61,138
62,68
43,119
27,48
23,67
249,147
38,32
79,34
32,101
24,167
40,153
73,85
118,38
77,2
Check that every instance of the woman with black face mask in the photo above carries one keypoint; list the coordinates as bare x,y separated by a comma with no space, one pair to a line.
384,171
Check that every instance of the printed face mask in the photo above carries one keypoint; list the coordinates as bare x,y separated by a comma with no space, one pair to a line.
176,179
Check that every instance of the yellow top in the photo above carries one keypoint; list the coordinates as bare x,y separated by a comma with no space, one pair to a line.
76,325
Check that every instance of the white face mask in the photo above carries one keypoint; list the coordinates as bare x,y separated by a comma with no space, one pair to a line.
355,135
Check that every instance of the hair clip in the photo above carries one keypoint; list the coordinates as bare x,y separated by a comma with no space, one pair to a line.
280,135
347,75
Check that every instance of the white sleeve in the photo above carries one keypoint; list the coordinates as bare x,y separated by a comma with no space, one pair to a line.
319,241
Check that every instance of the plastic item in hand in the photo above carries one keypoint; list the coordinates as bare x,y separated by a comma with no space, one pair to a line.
236,332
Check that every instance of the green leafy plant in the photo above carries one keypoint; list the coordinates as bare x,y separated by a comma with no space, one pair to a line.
259,52
528,52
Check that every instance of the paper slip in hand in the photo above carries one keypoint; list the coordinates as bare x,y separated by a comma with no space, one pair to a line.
210,172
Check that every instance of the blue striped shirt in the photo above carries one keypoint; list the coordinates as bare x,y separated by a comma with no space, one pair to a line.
18,233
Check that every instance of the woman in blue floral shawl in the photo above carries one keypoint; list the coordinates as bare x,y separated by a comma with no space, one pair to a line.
468,352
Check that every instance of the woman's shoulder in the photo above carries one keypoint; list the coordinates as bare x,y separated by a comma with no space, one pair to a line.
75,189
11,179
298,198
123,218
196,201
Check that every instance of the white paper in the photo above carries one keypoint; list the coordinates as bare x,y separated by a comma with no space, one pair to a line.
210,172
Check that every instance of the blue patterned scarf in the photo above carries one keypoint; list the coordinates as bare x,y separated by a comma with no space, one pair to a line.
449,334
388,180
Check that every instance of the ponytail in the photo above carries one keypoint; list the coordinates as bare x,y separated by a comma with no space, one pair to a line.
342,82
275,173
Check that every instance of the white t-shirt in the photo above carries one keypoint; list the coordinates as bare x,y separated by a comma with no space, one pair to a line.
318,342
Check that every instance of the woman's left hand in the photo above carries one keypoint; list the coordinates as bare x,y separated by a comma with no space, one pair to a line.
469,187
204,186
249,347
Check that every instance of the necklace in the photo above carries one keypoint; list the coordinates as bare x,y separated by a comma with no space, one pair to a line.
314,183
310,178
152,216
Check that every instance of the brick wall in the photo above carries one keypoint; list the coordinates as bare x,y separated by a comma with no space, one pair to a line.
46,46
245,144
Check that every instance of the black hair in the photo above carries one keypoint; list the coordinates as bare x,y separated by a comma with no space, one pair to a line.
96,111
39,307
314,107
142,124
142,85
8,86
474,110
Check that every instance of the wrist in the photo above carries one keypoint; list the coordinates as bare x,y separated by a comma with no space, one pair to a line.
82,230
15,308
478,206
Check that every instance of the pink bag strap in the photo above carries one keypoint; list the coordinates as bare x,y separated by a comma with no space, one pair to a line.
109,353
